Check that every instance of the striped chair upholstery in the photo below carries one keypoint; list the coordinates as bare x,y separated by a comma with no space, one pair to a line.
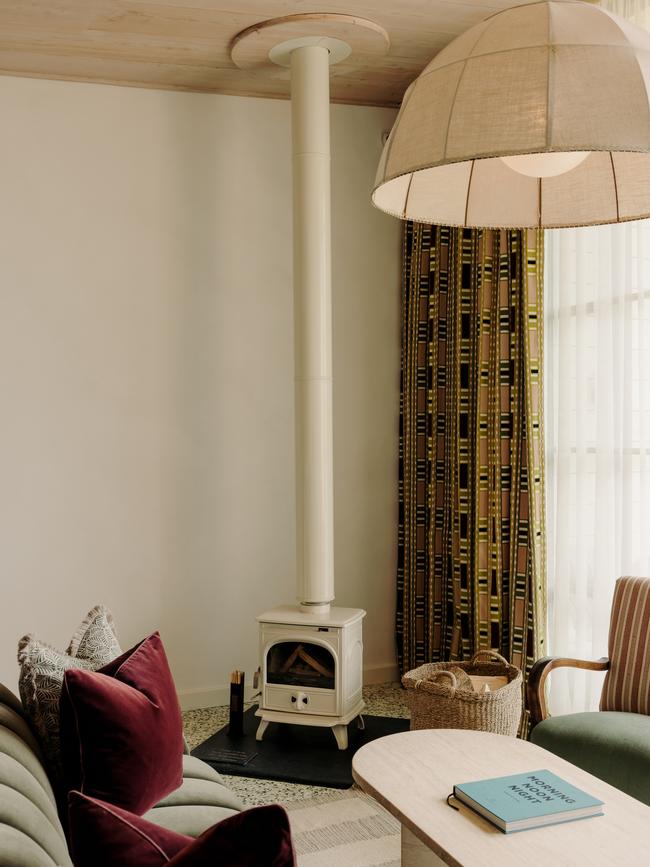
627,683
613,743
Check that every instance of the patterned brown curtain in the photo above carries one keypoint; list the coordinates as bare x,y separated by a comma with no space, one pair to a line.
471,563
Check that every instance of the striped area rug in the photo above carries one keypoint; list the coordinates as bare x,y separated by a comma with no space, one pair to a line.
344,829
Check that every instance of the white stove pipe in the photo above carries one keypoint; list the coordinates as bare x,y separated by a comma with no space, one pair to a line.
312,280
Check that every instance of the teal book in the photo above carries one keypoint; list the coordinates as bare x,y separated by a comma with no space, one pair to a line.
529,800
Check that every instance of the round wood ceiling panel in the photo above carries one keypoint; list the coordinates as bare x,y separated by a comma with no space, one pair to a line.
260,48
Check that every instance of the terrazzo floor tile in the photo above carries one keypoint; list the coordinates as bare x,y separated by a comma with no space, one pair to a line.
386,699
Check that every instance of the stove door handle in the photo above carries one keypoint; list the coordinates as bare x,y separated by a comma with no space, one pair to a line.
300,699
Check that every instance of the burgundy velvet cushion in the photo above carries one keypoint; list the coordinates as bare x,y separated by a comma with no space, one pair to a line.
102,835
121,729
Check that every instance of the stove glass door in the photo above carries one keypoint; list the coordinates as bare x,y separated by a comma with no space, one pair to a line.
301,663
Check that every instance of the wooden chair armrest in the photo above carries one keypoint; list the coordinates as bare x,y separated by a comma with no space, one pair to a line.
537,680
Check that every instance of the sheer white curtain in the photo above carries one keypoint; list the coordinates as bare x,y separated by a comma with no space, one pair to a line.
597,436
637,11
597,368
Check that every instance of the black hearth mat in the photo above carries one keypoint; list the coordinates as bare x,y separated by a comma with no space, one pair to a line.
294,753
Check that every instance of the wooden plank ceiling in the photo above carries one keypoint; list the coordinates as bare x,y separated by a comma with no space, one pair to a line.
185,44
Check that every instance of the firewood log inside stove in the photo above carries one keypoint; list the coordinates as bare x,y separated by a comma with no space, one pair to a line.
305,657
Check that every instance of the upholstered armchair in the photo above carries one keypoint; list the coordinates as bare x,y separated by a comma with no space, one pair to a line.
614,742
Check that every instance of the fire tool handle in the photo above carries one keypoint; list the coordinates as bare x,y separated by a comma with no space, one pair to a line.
236,723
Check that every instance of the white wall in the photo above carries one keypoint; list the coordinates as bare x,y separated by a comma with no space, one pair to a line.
146,371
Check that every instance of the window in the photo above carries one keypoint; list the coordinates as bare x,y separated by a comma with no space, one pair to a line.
597,338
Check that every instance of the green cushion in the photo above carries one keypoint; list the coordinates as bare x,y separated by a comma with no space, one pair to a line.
16,723
612,746
8,698
202,801
15,776
13,745
17,849
191,819
201,792
195,769
30,831
17,811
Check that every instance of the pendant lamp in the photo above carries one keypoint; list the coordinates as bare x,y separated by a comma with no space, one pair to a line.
537,117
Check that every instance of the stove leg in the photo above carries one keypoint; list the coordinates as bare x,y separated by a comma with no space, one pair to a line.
341,735
262,727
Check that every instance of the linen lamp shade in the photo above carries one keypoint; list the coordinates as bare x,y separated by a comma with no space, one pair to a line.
566,82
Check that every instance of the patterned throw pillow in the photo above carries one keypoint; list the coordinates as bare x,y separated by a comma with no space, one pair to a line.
95,638
42,669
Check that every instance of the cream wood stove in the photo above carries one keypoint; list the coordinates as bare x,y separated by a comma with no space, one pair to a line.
312,669
311,654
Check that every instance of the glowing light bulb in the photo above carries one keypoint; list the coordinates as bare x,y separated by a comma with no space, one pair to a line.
545,165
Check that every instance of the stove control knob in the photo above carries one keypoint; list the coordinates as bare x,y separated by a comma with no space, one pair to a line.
302,699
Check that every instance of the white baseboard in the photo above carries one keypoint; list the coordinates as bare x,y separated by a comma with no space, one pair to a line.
386,673
195,699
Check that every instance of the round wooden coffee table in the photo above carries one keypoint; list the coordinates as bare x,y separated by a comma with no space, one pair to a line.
412,774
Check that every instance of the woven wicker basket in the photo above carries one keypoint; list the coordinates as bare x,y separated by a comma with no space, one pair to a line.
436,702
